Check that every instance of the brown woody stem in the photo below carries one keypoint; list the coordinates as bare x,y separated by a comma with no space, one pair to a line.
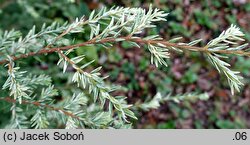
137,40
10,100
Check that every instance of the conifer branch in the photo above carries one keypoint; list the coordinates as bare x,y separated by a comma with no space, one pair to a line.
38,104
138,40
107,27
95,84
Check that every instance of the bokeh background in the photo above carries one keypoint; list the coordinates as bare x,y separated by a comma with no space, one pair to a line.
130,67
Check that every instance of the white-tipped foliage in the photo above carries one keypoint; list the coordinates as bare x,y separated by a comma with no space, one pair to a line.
158,55
231,36
229,41
233,77
155,102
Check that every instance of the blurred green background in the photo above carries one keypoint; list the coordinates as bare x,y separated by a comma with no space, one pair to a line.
130,67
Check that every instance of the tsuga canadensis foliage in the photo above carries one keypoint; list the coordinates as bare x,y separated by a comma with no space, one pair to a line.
31,97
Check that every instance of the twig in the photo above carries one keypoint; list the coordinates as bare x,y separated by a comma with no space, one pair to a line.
10,100
138,40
